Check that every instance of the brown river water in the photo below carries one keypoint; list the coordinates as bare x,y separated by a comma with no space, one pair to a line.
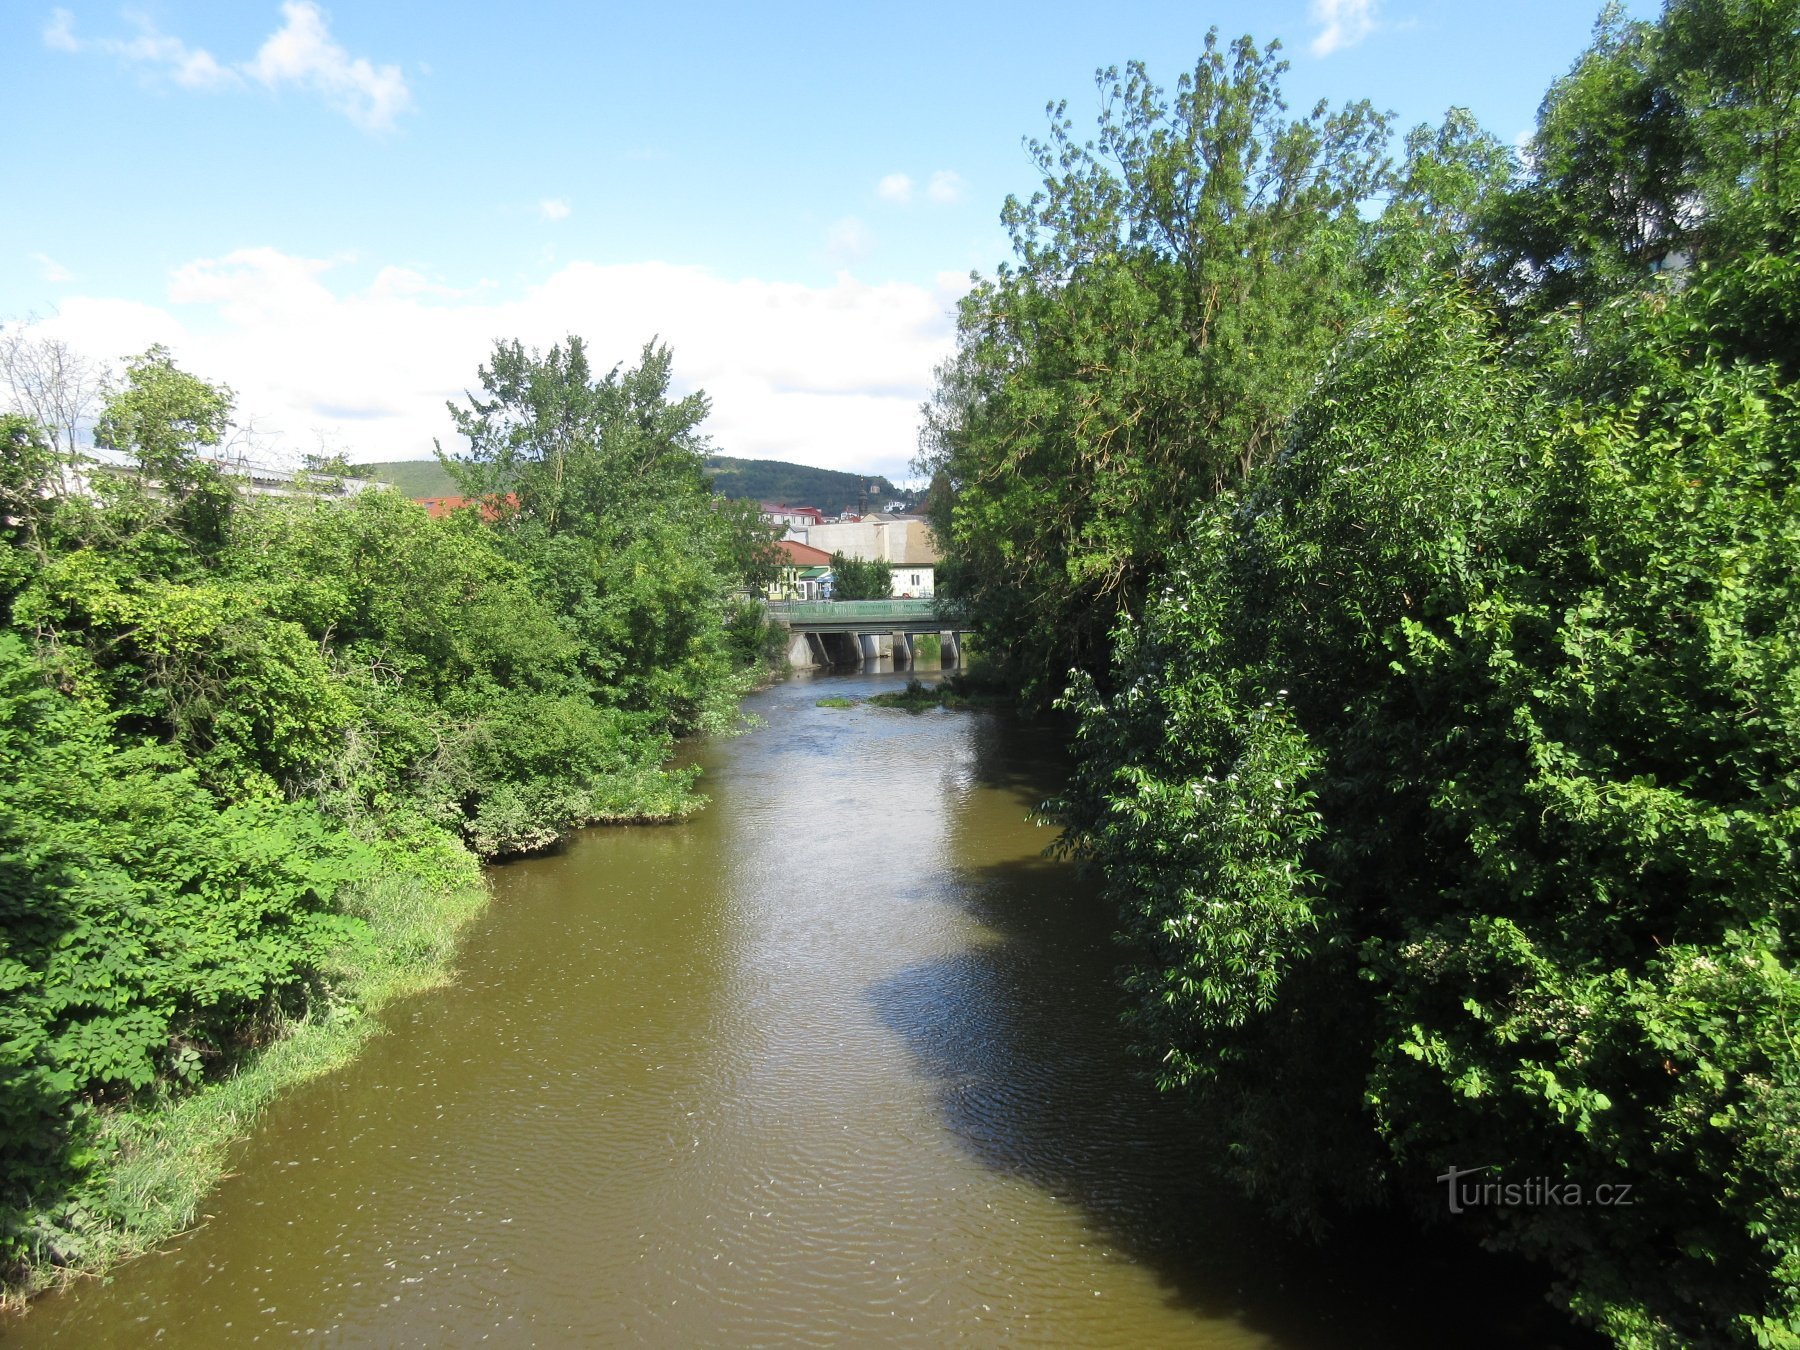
836,1062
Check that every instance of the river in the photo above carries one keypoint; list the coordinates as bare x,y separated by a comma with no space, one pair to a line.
835,1062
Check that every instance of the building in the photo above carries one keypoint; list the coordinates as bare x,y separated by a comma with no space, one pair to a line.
805,572
92,463
904,543
792,517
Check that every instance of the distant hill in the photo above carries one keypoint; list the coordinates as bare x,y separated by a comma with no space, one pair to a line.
773,480
765,480
415,477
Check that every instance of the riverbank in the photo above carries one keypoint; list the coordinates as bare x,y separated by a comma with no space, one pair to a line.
155,1163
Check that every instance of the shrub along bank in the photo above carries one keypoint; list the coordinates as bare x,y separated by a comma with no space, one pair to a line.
251,750
1428,568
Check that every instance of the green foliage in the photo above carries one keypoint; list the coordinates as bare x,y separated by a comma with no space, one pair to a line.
245,742
573,452
164,416
1443,768
1179,283
147,927
1668,150
860,578
1449,789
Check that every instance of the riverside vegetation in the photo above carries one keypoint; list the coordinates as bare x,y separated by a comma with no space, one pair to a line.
251,749
1423,539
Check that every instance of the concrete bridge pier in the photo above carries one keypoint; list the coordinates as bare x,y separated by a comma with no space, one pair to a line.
803,651
877,647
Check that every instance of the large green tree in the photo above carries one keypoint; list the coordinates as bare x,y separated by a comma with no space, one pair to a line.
574,451
1178,283
598,486
1669,149
163,416
1447,783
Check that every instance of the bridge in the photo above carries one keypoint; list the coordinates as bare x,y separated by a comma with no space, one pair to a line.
904,633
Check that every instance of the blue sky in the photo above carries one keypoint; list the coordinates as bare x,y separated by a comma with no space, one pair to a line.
336,208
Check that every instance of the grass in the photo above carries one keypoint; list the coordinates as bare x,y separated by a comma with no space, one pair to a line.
954,692
160,1159
836,701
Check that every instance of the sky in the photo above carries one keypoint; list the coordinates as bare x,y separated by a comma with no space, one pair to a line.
336,210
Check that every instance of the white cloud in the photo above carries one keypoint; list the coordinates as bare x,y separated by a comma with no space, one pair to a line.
896,187
301,53
189,67
1342,23
946,187
554,208
848,240
54,272
829,375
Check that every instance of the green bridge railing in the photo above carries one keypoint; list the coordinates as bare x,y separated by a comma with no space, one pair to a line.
874,612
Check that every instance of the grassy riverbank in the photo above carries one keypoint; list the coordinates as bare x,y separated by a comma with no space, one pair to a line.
157,1160
252,747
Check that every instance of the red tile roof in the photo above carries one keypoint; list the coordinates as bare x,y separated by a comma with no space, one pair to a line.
439,507
802,555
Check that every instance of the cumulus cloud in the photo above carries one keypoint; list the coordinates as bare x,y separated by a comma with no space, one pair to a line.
946,187
1342,23
553,208
301,53
896,187
828,375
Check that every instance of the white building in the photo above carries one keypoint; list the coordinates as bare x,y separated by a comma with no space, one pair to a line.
904,543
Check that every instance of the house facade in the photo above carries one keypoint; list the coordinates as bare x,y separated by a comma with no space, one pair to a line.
904,543
805,572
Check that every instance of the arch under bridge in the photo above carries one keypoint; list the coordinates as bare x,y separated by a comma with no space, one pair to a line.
825,633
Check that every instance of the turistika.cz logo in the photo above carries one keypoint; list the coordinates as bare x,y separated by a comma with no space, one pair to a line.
1532,1193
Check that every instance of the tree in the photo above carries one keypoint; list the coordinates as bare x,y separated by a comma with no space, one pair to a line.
860,578
53,386
1669,149
599,489
1177,286
164,416
27,480
570,450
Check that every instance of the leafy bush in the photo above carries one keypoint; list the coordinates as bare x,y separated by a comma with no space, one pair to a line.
1449,798
147,928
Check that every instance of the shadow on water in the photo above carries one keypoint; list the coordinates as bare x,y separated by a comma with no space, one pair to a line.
1031,1074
